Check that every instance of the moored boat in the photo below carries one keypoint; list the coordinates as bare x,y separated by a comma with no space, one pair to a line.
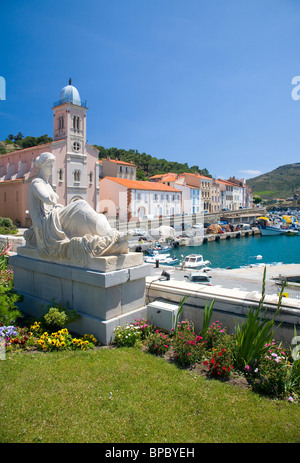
162,259
195,261
159,249
268,230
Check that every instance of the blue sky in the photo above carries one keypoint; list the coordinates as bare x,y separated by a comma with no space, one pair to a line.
197,81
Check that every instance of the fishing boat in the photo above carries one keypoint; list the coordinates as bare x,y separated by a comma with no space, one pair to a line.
163,259
159,249
195,261
269,230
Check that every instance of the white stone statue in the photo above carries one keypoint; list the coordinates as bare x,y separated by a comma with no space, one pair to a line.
74,232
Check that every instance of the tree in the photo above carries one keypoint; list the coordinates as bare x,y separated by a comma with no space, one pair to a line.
257,199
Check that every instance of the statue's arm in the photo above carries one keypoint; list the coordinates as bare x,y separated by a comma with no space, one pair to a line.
43,194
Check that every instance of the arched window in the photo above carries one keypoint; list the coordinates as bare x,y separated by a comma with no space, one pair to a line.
60,122
76,122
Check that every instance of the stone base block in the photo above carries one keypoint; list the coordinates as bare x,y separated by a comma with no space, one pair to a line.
103,299
102,264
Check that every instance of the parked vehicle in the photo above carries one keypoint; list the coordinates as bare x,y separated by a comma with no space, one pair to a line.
199,278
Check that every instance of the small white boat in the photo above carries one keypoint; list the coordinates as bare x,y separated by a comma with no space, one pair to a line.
163,259
159,249
268,230
195,261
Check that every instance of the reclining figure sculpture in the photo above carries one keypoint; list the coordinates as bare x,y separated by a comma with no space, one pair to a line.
73,232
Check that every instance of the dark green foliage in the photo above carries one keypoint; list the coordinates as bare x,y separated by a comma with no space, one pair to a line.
147,165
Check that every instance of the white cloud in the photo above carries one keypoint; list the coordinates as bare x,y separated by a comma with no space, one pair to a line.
251,172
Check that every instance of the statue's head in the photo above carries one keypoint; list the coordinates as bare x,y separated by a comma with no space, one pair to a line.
43,160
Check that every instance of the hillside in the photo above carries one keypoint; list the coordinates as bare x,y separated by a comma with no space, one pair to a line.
282,182
148,165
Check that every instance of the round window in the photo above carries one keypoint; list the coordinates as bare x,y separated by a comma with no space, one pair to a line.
76,146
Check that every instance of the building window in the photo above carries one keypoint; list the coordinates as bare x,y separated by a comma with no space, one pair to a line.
60,122
91,177
76,146
76,175
60,175
76,122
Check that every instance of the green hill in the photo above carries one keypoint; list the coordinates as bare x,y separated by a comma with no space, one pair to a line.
280,183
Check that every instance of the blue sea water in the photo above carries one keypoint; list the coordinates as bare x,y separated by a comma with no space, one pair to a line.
237,252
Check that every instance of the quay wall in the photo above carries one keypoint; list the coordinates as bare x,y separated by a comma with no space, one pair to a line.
230,305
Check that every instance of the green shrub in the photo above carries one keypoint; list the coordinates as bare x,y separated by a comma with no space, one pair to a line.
8,297
8,309
158,343
271,374
7,223
215,335
59,316
220,363
187,346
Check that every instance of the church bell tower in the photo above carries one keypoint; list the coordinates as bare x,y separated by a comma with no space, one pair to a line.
70,120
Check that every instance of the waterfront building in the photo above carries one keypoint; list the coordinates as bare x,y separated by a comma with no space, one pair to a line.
245,192
126,199
204,184
116,168
191,196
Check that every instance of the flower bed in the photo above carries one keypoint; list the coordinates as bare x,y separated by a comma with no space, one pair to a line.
35,338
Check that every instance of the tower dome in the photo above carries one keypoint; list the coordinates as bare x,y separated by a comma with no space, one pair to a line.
70,94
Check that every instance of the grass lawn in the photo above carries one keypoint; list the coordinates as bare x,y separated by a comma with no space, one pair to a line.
128,396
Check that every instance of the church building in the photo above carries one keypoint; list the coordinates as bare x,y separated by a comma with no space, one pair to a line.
75,174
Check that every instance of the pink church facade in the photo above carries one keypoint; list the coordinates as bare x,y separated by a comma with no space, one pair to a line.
76,171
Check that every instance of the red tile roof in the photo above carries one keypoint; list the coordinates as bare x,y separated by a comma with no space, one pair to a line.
142,185
116,161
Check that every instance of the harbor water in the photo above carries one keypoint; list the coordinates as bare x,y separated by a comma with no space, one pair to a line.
245,251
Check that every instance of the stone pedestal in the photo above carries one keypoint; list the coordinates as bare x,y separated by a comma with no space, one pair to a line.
109,292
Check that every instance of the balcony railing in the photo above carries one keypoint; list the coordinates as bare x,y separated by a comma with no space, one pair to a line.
70,100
